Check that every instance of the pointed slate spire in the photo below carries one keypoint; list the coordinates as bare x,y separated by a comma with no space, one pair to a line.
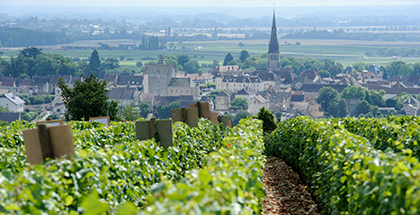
274,44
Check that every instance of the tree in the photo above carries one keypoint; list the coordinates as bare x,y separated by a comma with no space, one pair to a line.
192,66
375,97
243,55
342,110
390,102
238,116
122,57
95,65
31,52
183,59
131,112
144,109
165,112
268,119
139,64
111,63
398,68
327,98
87,99
239,103
241,44
362,107
228,58
353,92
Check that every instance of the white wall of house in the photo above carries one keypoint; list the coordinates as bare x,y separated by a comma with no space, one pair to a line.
6,103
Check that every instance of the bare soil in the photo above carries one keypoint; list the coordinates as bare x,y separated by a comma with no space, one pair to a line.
285,192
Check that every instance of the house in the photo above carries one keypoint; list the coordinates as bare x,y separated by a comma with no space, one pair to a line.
257,102
157,77
130,80
182,86
125,95
10,117
244,94
411,106
197,78
234,84
315,109
222,100
12,102
231,70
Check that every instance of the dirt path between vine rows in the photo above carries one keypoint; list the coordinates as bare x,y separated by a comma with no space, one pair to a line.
285,192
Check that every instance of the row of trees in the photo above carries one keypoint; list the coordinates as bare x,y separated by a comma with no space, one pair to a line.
342,35
32,62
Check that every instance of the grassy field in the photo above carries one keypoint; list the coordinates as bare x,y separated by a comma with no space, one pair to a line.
346,52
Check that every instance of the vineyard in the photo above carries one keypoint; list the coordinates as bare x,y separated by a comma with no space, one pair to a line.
349,166
354,165
210,169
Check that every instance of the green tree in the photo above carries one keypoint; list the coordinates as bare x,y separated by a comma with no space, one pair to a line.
87,99
95,65
353,92
110,63
165,112
139,64
144,109
31,52
238,116
390,102
239,103
328,100
268,119
228,58
183,59
416,69
243,55
375,97
130,112
398,68
122,57
363,107
241,44
342,110
192,66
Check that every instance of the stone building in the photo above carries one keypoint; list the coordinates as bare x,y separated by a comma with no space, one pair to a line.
157,77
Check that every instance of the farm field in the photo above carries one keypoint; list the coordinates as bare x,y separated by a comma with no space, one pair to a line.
346,52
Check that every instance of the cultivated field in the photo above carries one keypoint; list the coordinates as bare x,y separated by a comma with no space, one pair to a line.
346,52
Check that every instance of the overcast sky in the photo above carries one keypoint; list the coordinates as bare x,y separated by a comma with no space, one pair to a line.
204,3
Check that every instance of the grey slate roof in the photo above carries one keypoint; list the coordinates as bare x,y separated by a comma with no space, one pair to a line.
179,82
223,93
9,117
132,79
157,68
14,99
242,92
374,68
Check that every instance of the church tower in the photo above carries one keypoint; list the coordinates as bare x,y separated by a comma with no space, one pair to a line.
273,61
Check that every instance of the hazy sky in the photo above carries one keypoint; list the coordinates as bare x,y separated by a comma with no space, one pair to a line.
204,3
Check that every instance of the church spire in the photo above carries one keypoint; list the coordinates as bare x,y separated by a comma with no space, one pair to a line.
274,44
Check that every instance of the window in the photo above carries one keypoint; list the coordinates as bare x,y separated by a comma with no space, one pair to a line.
187,91
176,91
182,91
172,91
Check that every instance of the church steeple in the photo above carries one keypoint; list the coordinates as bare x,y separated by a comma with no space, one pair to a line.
274,44
273,61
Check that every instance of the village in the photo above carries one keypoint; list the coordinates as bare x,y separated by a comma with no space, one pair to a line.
274,88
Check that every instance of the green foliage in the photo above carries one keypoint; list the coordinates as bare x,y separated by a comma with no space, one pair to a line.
139,64
353,92
183,59
228,58
243,55
363,107
131,112
86,99
268,119
241,44
342,110
165,112
239,103
347,173
211,84
144,108
111,167
328,100
230,183
192,66
238,116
